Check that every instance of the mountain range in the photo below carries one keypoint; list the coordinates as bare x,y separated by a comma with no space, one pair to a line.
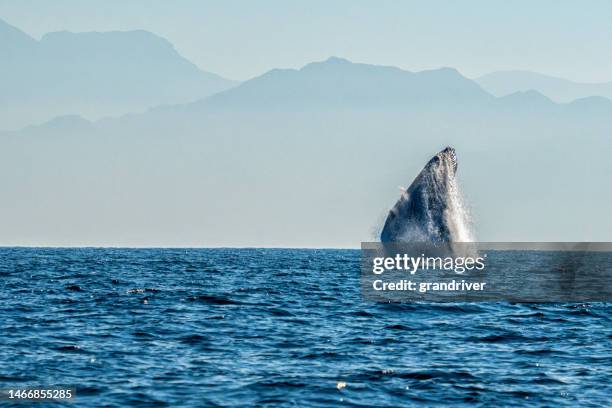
558,89
105,74
94,75
338,83
305,157
342,83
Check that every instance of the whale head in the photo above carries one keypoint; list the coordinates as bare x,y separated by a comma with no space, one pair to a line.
436,180
425,210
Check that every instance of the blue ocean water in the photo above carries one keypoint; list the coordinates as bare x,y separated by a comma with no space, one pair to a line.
256,327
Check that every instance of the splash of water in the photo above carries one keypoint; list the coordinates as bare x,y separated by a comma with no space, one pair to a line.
457,214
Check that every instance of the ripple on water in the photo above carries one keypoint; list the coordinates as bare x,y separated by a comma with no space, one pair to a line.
250,327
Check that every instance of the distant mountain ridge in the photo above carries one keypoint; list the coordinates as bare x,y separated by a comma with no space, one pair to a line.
337,83
306,157
560,90
102,74
342,83
93,74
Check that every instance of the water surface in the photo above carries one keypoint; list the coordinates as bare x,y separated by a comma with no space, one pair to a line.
246,327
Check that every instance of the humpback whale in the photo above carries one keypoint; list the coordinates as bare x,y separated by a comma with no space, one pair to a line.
431,209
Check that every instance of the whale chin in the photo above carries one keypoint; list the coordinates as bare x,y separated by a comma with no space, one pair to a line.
430,210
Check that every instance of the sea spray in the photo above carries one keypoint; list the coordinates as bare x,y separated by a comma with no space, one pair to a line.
457,214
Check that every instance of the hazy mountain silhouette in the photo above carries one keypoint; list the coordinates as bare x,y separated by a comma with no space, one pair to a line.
60,125
93,74
560,90
14,42
592,103
337,82
532,101
309,157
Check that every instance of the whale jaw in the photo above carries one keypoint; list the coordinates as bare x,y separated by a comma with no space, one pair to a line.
427,210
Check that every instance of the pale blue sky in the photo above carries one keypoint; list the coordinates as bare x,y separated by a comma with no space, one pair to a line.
241,39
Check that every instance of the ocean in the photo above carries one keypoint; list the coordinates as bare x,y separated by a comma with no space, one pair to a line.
279,327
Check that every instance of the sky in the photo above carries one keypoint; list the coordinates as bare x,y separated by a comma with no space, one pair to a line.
243,39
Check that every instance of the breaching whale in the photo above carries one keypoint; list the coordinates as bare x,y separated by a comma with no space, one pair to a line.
430,210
